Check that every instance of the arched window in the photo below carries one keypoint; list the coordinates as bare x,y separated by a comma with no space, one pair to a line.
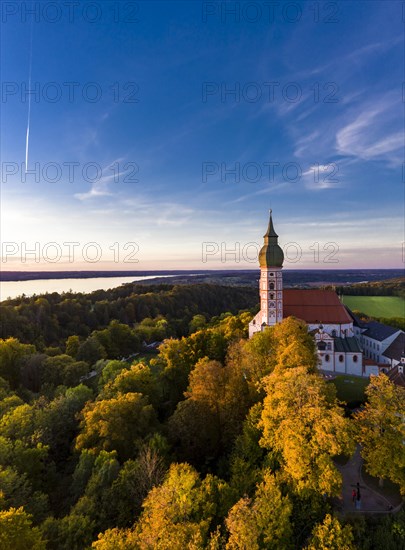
327,357
271,296
341,358
355,358
271,286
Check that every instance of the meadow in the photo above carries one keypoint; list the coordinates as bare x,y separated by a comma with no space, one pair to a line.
377,306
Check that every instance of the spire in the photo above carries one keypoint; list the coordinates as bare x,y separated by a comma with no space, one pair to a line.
271,254
270,229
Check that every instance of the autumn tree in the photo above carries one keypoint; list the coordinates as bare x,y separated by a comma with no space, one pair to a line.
262,521
17,533
285,345
116,539
331,535
304,424
181,512
381,430
206,423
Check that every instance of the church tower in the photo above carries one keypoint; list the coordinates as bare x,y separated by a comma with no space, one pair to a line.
271,259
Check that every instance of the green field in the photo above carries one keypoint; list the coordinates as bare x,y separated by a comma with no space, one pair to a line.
377,306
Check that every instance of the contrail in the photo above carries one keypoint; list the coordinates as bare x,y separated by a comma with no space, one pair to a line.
27,137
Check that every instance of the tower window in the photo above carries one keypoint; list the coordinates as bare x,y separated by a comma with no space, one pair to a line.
271,286
271,274
271,296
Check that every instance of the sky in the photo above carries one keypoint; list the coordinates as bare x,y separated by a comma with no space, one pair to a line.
159,134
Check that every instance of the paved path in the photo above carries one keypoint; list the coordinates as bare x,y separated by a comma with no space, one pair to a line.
371,501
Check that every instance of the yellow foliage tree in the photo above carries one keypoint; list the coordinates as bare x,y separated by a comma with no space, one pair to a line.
381,430
331,535
17,533
261,522
303,422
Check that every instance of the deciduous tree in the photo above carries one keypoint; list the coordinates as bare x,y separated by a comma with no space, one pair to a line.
381,430
17,533
331,535
304,424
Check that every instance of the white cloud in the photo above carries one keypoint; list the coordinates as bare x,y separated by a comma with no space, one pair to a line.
373,134
322,176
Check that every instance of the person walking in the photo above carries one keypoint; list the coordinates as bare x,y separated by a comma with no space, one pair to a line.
354,495
358,497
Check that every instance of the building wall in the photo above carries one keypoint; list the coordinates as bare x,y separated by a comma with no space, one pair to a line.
374,349
338,328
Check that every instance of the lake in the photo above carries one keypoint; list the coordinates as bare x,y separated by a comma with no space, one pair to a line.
12,289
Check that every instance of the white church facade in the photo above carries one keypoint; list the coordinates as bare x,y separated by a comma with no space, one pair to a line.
337,340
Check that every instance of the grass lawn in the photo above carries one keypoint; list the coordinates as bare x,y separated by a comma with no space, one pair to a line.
377,306
350,388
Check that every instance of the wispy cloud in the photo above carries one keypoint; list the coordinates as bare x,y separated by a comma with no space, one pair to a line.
100,186
374,133
322,176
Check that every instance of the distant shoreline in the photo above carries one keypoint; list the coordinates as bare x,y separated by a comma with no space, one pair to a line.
14,276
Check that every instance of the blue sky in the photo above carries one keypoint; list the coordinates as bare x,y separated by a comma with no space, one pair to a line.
167,157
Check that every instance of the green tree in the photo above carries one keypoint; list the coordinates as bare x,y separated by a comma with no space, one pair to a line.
72,346
117,424
117,339
63,370
137,379
197,323
381,430
17,533
110,371
91,351
11,354
72,532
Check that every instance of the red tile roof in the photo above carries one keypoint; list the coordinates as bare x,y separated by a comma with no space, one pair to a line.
314,306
